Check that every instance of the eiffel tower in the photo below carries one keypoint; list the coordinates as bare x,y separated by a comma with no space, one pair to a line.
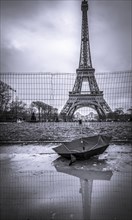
92,97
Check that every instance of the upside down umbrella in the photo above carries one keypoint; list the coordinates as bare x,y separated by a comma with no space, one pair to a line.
83,148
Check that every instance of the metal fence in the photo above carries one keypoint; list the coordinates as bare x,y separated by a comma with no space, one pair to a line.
53,89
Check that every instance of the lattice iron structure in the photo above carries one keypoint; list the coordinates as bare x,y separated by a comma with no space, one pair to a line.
93,97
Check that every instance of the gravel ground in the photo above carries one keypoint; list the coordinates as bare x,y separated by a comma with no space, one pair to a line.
22,132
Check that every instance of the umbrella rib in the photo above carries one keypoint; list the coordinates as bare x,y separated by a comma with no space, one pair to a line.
91,147
66,147
70,150
84,141
94,145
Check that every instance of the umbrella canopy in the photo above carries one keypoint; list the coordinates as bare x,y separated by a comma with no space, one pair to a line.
84,147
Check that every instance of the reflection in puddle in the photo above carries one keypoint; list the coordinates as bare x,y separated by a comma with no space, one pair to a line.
87,174
36,186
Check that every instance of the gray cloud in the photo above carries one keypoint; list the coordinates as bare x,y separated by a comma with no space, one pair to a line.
45,35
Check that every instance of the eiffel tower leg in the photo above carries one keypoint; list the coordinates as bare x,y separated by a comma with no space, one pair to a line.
64,111
72,110
103,109
67,111
106,107
100,112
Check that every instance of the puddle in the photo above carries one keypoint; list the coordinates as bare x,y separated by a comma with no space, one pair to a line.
36,184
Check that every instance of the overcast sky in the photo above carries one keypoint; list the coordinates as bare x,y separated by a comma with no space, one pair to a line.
45,35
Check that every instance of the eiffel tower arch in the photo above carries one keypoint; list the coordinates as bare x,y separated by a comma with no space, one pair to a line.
92,97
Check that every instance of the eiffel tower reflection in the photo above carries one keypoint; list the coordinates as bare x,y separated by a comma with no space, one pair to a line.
87,173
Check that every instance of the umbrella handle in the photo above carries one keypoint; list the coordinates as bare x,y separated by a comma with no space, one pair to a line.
73,159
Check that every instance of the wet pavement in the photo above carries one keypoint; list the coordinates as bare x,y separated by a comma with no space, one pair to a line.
37,184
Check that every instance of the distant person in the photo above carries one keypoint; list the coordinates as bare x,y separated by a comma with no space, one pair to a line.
56,119
33,117
80,122
19,120
81,128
